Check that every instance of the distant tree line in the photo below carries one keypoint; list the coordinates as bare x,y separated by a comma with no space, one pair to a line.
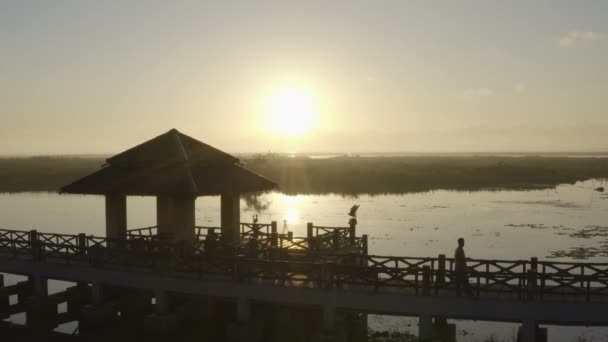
345,175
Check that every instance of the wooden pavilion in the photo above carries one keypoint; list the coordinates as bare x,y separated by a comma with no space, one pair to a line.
176,169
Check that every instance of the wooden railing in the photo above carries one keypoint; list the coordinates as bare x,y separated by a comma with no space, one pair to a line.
323,237
260,238
200,232
522,280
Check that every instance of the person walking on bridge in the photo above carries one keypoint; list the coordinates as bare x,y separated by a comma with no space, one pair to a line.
460,270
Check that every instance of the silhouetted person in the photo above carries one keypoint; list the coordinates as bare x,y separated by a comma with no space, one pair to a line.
460,270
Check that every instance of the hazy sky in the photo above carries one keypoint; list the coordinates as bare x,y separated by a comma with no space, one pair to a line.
101,76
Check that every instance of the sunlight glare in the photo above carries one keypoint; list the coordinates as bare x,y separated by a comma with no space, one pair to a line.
291,216
292,111
291,210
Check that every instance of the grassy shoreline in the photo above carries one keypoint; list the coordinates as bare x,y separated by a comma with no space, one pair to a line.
346,175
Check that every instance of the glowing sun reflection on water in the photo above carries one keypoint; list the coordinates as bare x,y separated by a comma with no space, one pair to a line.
291,208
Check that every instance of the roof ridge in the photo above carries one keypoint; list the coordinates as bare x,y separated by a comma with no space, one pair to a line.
184,154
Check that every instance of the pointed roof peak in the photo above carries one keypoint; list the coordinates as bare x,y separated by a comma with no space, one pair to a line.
171,163
170,147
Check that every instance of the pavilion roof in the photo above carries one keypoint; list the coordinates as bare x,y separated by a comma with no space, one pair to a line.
171,164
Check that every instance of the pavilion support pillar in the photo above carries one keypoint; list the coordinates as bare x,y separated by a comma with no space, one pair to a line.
116,216
163,215
425,327
183,218
231,217
175,217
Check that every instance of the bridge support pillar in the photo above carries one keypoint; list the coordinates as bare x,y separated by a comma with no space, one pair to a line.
97,294
162,301
443,331
530,332
4,299
39,285
243,310
328,331
244,329
95,319
40,314
78,296
425,327
329,317
162,321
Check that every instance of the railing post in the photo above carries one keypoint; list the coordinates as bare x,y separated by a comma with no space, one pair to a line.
532,286
440,278
534,264
426,280
290,236
210,241
35,245
532,278
364,244
582,276
335,238
352,231
253,240
82,243
309,236
275,234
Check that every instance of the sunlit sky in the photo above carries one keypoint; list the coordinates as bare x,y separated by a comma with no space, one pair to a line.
313,76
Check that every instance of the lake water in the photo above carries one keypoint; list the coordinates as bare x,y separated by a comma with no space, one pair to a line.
495,225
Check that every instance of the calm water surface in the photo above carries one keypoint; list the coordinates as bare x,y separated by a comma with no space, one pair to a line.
495,225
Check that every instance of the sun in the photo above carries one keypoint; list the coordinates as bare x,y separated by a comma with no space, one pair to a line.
292,111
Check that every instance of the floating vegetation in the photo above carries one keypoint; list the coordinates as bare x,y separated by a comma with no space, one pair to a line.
591,232
385,237
527,225
556,203
579,253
